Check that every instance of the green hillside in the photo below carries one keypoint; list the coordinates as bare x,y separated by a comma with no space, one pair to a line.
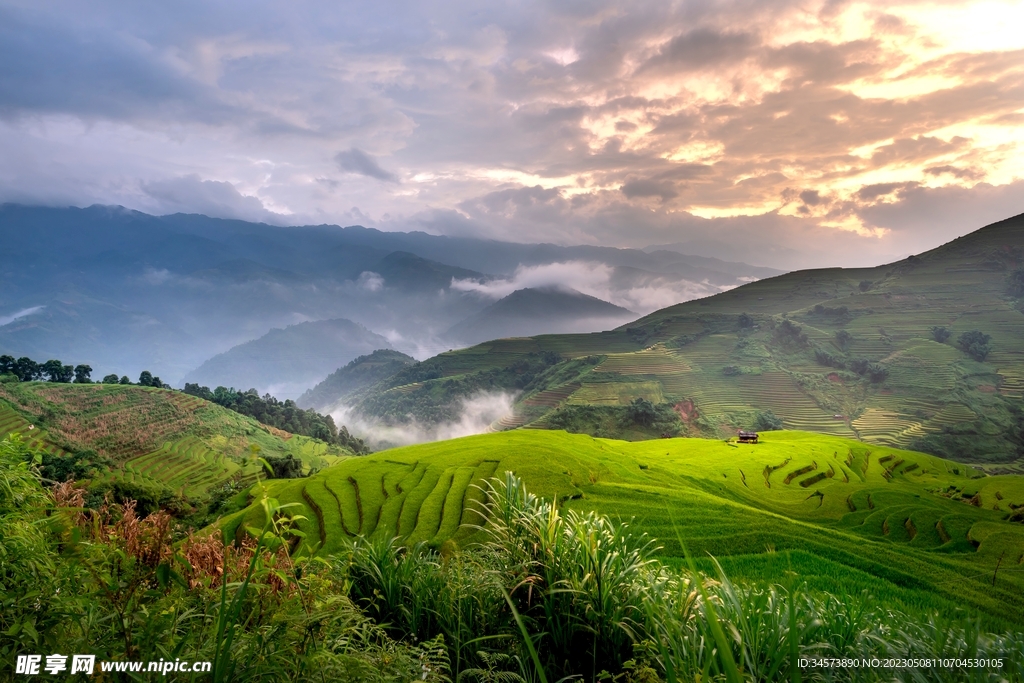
359,373
151,436
850,352
849,516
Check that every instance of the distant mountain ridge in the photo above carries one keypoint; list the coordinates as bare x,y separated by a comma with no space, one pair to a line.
125,291
529,311
285,362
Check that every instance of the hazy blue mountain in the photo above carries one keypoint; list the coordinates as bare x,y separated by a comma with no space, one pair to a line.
527,312
285,362
125,291
358,374
404,270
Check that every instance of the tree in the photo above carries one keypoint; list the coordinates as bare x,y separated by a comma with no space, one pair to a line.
124,380
865,285
110,379
746,320
155,382
28,370
940,333
642,412
82,373
1015,282
57,371
146,379
975,344
843,340
7,365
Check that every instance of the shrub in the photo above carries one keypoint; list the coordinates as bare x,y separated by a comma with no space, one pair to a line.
838,312
766,421
110,379
843,340
149,498
745,321
940,333
865,285
828,360
975,344
288,467
730,371
71,467
789,334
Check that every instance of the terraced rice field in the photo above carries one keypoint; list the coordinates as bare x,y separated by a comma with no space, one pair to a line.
656,360
535,406
187,465
152,436
594,392
11,422
906,519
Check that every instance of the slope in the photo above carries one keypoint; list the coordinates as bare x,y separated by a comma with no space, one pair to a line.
897,522
287,361
151,436
359,373
867,353
531,311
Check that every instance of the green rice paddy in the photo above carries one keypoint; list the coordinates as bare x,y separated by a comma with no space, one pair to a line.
857,516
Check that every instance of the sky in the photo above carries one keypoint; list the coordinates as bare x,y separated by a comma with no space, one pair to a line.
789,134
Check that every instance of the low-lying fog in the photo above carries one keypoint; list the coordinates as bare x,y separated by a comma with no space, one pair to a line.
476,414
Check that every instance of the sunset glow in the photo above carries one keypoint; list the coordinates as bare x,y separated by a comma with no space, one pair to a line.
606,124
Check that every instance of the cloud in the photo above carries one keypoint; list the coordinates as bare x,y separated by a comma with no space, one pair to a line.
475,415
370,281
635,290
191,194
758,131
571,275
7,319
944,213
357,161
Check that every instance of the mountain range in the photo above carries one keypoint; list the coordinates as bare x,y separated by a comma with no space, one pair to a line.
125,291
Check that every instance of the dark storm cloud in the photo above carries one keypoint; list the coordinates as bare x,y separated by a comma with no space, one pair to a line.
357,161
702,48
52,67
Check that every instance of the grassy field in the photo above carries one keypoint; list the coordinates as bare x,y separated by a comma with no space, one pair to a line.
731,356
151,436
848,516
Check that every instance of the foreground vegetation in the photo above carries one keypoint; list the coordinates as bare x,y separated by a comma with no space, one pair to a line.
546,593
914,529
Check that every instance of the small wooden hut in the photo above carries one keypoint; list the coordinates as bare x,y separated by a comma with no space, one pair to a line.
747,437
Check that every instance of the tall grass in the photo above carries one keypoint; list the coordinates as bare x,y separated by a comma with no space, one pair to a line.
571,595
